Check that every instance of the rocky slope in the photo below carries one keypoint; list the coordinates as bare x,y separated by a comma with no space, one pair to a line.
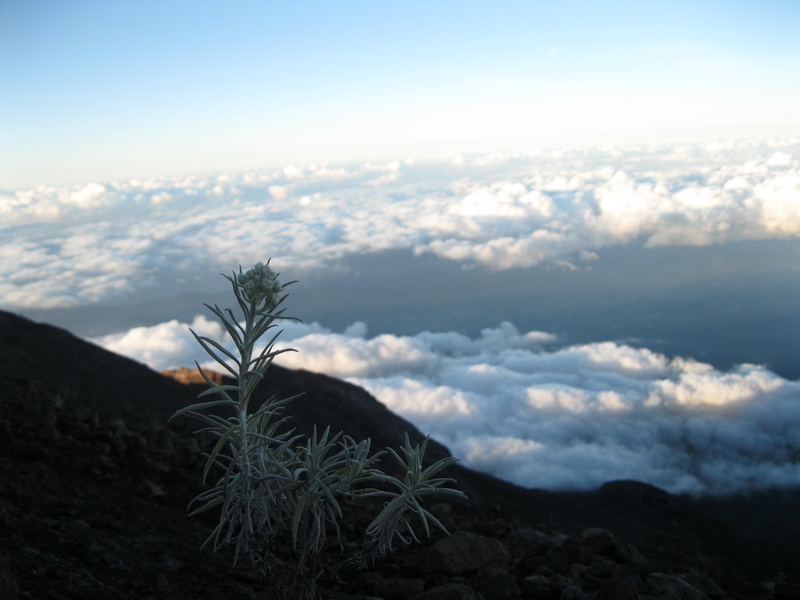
94,485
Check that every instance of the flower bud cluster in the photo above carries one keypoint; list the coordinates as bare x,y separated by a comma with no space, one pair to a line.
261,284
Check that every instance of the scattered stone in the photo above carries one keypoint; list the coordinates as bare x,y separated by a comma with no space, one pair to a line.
573,593
537,586
663,584
526,537
619,588
601,541
8,586
464,551
79,526
154,488
169,563
704,583
401,588
496,584
449,591
783,590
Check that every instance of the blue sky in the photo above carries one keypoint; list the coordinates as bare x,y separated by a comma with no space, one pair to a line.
94,91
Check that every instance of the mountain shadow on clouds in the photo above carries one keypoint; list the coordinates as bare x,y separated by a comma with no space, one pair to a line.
87,449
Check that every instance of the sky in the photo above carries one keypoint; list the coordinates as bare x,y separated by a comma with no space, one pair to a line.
97,90
562,238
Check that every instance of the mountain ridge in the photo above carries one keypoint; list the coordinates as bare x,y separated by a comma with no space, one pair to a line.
59,373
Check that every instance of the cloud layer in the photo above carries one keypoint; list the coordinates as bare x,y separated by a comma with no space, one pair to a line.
63,247
525,408
520,405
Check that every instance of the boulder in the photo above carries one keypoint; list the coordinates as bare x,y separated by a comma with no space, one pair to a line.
463,551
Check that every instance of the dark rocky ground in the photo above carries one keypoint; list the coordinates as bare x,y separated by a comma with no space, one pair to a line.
94,486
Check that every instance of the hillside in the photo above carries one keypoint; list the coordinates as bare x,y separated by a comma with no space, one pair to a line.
94,485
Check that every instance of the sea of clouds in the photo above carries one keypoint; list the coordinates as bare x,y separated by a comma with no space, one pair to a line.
64,247
525,408
521,405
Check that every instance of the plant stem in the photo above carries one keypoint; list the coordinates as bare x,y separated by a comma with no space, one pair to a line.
244,453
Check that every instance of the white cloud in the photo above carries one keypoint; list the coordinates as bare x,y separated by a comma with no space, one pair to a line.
519,407
91,196
499,210
166,345
279,192
779,159
513,403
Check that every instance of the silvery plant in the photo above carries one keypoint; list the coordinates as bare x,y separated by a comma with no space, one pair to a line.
279,495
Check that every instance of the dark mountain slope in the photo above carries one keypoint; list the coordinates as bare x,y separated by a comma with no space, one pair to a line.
63,365
92,473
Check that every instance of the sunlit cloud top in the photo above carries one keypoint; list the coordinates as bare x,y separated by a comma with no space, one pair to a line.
70,246
98,91
526,408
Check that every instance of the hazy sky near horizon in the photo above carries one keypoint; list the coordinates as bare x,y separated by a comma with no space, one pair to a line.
95,90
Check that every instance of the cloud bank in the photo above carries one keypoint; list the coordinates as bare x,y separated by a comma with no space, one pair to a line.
525,408
64,247
522,406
